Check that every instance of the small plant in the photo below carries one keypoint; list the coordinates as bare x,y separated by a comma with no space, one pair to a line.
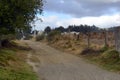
110,56
40,37
103,49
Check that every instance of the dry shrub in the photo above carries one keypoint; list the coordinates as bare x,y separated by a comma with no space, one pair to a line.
40,37
110,56
89,51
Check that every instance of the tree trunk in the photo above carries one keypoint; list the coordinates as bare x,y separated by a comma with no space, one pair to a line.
5,43
0,43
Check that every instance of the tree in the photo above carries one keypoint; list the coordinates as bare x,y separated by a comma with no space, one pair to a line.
18,14
61,29
47,29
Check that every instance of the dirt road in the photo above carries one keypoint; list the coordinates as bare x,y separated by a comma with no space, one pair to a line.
56,65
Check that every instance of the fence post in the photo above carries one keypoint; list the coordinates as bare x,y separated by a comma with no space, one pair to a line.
117,38
106,37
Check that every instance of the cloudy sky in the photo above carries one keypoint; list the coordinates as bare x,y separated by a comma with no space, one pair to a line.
102,13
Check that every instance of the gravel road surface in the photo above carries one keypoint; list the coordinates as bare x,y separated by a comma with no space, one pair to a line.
53,64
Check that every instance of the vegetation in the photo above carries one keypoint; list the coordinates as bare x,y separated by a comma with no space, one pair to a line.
81,28
105,48
99,53
53,35
110,56
40,37
14,67
16,15
108,59
47,30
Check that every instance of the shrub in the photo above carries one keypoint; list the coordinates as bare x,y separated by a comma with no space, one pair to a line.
51,36
89,51
40,37
28,37
103,49
110,56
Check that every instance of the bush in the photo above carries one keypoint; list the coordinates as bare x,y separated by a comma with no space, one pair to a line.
110,56
40,37
28,37
89,51
103,49
51,36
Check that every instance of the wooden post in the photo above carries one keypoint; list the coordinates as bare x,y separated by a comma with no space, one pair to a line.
117,38
88,39
105,37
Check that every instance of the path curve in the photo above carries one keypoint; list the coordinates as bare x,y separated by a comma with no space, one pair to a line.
56,65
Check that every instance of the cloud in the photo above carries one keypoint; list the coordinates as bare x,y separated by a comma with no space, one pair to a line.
82,8
52,21
101,21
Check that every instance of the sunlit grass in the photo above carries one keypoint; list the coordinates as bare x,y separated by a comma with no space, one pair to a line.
14,67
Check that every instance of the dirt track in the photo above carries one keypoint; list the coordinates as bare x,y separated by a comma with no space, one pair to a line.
56,65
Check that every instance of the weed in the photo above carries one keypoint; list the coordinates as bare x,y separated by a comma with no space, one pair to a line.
110,57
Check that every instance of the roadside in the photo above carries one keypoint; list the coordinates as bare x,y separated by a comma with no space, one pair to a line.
52,64
13,64
105,57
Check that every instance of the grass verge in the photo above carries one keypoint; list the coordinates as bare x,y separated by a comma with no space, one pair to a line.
108,60
13,65
98,54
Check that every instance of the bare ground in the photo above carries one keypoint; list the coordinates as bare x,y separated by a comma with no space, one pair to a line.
52,64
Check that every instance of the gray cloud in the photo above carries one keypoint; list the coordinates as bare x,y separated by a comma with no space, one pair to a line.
82,8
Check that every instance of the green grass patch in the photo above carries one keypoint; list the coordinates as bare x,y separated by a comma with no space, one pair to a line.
110,57
14,67
108,60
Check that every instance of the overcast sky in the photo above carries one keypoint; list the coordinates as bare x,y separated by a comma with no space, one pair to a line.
102,13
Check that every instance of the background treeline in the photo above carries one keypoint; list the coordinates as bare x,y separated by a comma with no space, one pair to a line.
87,32
79,28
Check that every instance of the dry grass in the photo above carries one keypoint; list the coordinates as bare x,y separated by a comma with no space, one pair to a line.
34,58
16,67
70,44
73,46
